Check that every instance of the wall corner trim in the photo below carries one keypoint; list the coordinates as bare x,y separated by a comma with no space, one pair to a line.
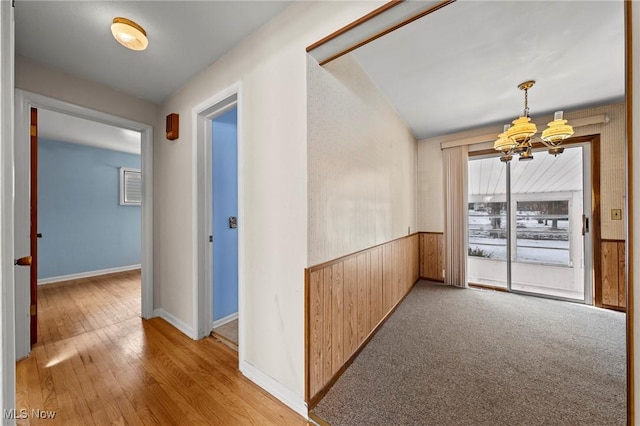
174,321
275,388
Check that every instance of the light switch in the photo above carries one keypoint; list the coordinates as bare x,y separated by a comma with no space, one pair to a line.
616,214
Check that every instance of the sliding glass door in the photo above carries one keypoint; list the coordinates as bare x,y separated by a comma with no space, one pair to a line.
528,229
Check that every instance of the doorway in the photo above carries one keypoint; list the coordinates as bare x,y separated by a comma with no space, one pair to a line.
204,240
224,225
529,224
25,101
88,222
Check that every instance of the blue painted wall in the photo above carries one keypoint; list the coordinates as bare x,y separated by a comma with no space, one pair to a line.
225,204
84,226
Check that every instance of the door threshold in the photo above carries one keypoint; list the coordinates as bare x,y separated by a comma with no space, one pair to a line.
548,296
220,338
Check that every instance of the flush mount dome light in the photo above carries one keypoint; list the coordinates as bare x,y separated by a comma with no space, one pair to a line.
129,34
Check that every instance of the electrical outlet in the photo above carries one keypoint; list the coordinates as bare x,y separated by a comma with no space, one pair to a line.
616,214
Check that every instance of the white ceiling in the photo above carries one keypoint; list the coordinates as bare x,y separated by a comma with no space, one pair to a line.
66,128
184,38
458,68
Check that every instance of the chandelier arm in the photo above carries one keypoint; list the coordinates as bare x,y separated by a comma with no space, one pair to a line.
545,143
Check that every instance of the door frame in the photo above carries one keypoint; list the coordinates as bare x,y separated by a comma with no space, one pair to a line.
202,118
7,302
24,101
33,226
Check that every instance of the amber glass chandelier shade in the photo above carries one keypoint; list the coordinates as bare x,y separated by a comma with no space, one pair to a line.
503,143
557,131
522,129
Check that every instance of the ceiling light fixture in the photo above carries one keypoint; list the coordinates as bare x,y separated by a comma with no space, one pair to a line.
517,138
129,34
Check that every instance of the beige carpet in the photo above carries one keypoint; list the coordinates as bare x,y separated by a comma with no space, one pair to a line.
451,356
229,331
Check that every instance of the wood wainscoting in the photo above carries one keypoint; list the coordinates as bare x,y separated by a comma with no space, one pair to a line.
347,299
432,256
613,282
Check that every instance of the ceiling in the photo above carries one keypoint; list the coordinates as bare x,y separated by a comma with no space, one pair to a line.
458,68
452,70
61,127
184,38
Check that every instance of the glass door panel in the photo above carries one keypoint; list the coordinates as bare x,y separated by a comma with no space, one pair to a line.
542,232
487,223
546,216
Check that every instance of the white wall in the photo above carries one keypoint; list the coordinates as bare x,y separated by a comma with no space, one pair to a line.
45,80
271,65
362,163
430,187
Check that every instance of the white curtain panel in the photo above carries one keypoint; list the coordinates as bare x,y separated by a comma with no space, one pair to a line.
455,219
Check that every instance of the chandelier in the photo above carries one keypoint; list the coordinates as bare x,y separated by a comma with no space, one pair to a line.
518,138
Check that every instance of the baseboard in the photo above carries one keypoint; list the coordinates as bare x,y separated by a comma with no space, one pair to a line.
177,323
438,280
223,321
275,388
87,274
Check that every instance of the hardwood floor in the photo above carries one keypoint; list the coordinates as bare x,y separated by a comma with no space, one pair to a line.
74,307
99,363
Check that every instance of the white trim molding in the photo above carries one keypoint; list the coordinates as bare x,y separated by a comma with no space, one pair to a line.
275,388
49,280
175,321
225,320
7,304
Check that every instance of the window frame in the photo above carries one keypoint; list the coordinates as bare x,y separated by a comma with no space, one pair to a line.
123,189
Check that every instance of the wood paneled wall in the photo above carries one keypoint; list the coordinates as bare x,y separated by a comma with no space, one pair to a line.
347,299
432,256
612,255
